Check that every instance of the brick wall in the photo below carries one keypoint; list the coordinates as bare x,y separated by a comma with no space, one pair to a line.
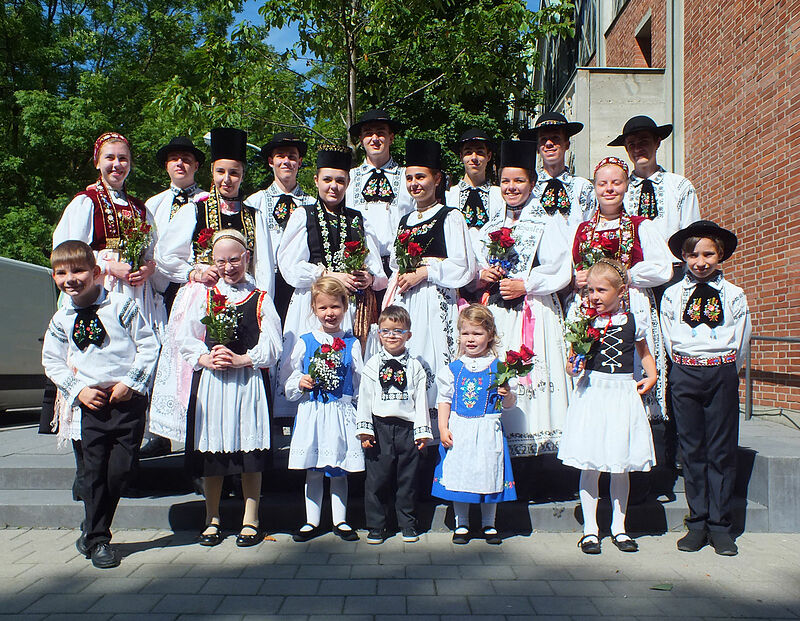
742,142
622,50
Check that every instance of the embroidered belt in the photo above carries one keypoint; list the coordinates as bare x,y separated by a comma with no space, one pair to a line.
704,361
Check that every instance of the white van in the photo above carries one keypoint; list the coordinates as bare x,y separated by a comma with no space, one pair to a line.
28,299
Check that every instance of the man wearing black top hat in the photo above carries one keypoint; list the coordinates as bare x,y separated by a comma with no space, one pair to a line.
474,194
284,154
556,189
378,187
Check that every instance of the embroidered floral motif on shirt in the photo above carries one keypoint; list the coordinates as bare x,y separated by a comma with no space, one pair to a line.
469,391
555,198
712,309
594,242
695,309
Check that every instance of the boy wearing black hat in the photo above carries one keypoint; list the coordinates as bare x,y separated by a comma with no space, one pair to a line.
706,326
474,194
284,154
556,189
377,188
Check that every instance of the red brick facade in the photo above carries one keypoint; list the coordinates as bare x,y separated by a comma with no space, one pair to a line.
622,50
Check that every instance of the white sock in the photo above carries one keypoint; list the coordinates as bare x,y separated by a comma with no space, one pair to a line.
461,513
619,488
339,499
588,495
488,512
314,481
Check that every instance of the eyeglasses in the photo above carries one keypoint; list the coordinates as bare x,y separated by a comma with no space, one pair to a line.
392,331
233,261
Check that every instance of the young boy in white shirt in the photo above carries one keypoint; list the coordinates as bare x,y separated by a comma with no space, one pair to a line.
100,352
706,326
394,425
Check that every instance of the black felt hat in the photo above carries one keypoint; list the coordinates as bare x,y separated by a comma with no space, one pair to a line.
284,139
421,152
475,135
179,143
703,228
373,116
340,158
518,154
641,123
228,143
551,120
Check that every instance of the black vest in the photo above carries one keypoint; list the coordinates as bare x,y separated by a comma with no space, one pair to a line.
228,221
353,231
429,234
248,329
613,353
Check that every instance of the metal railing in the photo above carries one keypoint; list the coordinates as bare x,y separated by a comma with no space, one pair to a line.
748,395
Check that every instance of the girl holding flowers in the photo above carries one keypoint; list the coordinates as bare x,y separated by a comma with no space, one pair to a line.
523,261
228,337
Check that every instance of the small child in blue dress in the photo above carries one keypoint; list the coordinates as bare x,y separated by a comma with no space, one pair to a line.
606,428
474,465
326,365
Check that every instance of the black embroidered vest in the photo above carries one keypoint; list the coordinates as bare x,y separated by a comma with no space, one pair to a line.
429,234
613,353
248,328
354,230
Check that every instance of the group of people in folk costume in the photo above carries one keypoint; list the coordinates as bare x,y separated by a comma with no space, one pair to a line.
303,277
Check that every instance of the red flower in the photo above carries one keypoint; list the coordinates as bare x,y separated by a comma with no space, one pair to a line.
326,349
608,244
329,363
144,227
218,308
338,344
512,357
403,237
506,241
590,311
496,235
414,249
526,352
218,299
593,333
204,237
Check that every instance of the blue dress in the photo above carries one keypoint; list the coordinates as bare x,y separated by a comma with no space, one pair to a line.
478,467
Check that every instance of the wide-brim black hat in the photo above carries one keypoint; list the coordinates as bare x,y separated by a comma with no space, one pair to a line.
422,152
179,143
228,143
517,154
340,158
641,123
474,135
703,228
373,116
284,139
551,120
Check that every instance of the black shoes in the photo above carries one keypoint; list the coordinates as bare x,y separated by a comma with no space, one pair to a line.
491,536
624,543
345,534
589,544
210,539
410,535
103,556
461,536
376,536
301,536
693,541
723,543
246,540
155,447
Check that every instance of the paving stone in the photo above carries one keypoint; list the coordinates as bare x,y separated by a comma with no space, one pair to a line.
233,586
63,603
495,572
348,587
127,616
323,571
274,618
445,572
370,604
327,604
410,587
586,588
175,586
159,570
104,585
617,606
250,604
299,586
554,605
188,604
126,602
465,587
500,604
522,587
438,604
382,572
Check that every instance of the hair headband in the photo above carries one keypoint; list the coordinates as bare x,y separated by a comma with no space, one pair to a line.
104,138
229,234
614,161
615,267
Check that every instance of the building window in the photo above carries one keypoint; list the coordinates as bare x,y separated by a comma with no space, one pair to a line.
644,40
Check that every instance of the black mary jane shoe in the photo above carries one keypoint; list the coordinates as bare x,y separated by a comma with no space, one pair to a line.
210,539
245,541
345,534
491,536
625,545
461,538
301,536
589,544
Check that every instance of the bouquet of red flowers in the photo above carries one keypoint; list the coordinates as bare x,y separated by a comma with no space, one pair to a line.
581,334
324,367
135,237
202,247
221,319
501,248
517,363
407,252
354,255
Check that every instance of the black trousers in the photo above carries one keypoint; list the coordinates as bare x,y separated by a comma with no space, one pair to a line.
391,467
705,402
110,439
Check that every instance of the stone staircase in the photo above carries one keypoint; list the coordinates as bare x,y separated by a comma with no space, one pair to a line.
36,479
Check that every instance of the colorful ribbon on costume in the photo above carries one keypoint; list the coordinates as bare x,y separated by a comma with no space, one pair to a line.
528,324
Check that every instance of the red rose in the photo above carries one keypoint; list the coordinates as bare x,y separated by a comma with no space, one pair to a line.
506,241
608,244
403,237
329,364
496,235
338,344
526,352
144,227
204,237
219,299
353,245
218,308
593,333
414,249
512,357
590,311
326,349
506,231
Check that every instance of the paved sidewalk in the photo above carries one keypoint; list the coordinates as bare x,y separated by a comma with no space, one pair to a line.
166,576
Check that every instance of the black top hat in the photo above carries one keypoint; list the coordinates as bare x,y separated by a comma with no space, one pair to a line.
340,158
640,123
228,144
474,135
704,228
179,143
518,154
373,116
284,139
421,152
551,120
